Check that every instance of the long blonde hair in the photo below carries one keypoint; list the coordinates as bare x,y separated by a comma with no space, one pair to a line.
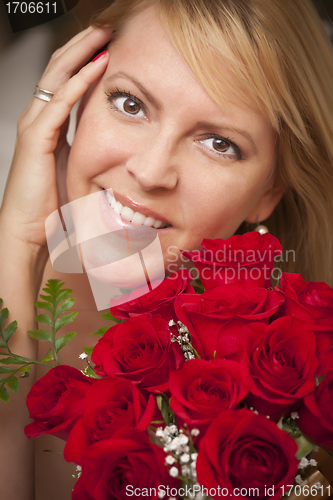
282,61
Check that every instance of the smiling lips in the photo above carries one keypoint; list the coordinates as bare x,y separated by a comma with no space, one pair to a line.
131,216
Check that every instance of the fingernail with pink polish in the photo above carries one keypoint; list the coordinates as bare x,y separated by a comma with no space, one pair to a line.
99,56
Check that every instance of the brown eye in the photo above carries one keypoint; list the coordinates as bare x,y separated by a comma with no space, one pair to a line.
223,147
131,107
220,145
127,105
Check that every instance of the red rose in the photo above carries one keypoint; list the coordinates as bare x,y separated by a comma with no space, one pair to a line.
159,300
56,401
126,465
201,390
215,318
316,414
110,404
280,363
310,302
140,350
244,450
245,260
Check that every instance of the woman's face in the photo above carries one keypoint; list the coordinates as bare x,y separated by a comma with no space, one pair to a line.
150,133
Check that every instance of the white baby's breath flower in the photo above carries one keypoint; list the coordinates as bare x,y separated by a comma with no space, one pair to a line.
185,458
171,322
313,462
194,456
178,443
173,472
304,462
294,415
172,429
183,439
170,460
159,432
195,432
78,470
175,445
298,479
83,355
185,470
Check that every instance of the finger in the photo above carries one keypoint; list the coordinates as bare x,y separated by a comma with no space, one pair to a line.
79,36
71,60
57,110
73,40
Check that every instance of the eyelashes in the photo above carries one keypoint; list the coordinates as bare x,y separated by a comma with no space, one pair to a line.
225,143
130,105
125,96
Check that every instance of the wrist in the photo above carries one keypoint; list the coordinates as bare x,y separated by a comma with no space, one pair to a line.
22,263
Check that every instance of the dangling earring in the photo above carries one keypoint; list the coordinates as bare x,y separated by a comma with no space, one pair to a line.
260,227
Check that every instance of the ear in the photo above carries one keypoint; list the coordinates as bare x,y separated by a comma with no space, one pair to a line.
267,203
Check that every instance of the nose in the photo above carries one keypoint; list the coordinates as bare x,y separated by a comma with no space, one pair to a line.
154,165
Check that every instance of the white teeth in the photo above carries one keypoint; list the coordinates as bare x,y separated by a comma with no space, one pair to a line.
127,213
131,216
157,224
149,221
108,197
138,218
118,208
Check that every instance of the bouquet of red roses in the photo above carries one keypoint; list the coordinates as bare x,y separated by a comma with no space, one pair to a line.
218,391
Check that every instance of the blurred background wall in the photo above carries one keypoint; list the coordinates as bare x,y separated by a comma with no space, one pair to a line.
24,55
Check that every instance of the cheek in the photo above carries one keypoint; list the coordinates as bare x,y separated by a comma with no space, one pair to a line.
96,148
218,204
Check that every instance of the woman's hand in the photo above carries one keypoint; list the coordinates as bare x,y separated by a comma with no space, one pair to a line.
41,147
30,197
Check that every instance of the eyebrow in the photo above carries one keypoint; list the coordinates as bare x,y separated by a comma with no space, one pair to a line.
143,90
152,100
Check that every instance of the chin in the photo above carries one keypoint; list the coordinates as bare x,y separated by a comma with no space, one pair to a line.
113,273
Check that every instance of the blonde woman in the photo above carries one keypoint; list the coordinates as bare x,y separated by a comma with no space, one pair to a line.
206,116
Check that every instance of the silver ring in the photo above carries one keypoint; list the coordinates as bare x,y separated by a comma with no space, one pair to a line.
44,95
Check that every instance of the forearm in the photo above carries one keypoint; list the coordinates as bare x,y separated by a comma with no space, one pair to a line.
21,270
